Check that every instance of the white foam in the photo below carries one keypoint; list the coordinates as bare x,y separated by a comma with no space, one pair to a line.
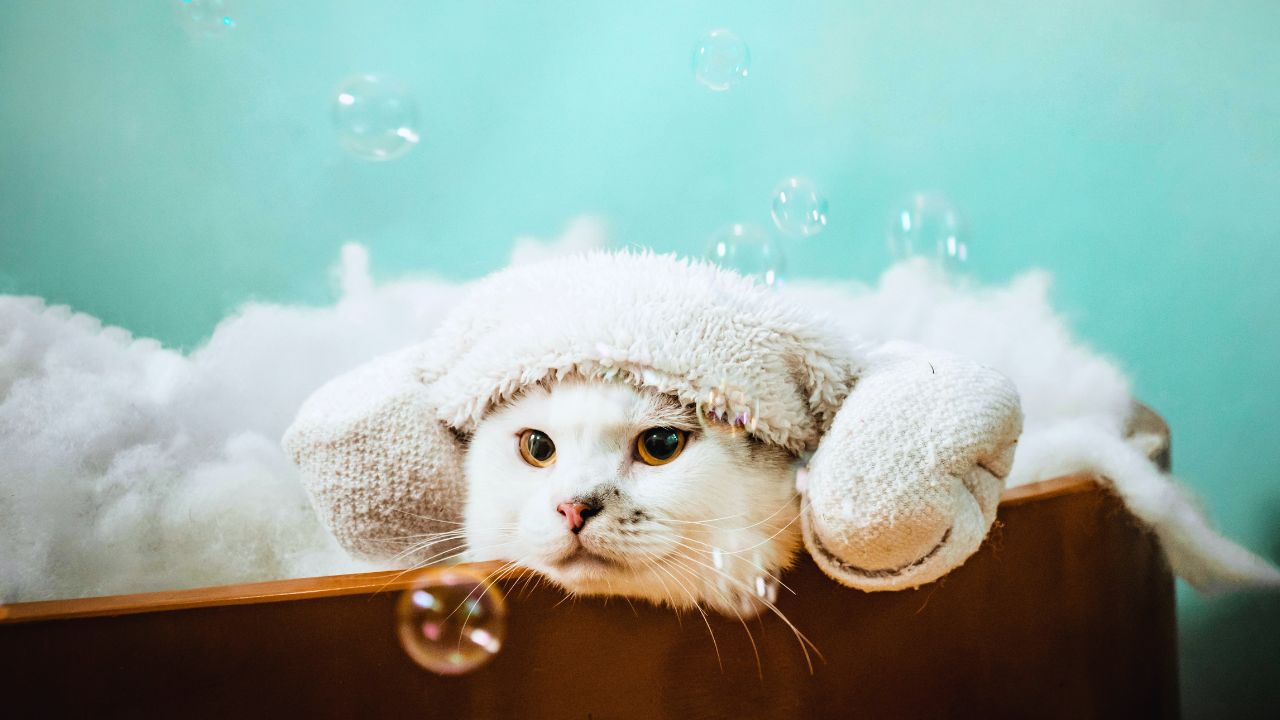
126,467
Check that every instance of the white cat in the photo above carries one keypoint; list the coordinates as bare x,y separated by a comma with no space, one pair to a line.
607,489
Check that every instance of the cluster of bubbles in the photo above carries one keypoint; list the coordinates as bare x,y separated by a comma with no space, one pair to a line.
721,59
798,209
376,119
452,621
926,224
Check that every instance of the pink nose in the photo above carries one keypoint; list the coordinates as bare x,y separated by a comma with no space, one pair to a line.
576,514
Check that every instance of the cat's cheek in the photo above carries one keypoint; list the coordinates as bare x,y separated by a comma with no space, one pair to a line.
539,537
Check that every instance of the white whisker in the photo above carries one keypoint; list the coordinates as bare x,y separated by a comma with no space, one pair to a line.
774,608
696,606
679,543
754,649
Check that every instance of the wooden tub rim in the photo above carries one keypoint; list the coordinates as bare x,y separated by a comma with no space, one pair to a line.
352,584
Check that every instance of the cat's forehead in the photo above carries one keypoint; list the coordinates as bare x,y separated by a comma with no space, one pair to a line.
586,403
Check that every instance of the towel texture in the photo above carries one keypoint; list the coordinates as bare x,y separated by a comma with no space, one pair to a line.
906,483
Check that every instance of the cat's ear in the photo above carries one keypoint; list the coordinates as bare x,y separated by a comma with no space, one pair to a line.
379,466
904,485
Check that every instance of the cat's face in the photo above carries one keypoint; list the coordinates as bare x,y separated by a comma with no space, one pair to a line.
606,489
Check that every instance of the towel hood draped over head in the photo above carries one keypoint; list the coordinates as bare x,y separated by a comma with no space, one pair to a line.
910,448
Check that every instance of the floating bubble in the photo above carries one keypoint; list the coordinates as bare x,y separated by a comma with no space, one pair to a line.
750,251
798,208
927,224
720,60
376,117
206,18
452,622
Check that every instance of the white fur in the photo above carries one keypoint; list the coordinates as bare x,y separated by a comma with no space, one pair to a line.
716,524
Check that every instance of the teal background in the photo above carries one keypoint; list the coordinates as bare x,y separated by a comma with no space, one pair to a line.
1132,149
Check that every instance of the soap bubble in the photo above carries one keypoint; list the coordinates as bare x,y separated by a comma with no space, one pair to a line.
376,117
928,224
798,208
750,251
452,622
721,60
206,18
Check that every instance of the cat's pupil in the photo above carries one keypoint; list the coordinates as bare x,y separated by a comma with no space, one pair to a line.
540,446
661,443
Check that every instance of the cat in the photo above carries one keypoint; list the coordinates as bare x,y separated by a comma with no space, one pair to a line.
607,489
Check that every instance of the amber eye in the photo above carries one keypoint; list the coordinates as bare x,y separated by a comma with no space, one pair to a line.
659,446
536,448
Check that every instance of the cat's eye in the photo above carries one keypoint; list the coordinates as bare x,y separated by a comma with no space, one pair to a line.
659,446
536,448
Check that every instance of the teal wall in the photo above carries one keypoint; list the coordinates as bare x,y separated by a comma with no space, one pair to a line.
1133,149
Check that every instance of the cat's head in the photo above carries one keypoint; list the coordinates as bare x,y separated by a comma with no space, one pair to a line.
607,489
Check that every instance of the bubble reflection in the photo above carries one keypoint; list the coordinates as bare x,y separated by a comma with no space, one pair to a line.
721,60
928,225
798,209
750,251
452,622
376,118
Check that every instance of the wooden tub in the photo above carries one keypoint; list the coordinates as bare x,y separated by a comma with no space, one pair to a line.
1066,611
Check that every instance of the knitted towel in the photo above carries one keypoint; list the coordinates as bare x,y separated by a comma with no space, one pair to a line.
910,448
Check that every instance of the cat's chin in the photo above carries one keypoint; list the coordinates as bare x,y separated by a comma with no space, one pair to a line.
592,575
582,568
587,573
